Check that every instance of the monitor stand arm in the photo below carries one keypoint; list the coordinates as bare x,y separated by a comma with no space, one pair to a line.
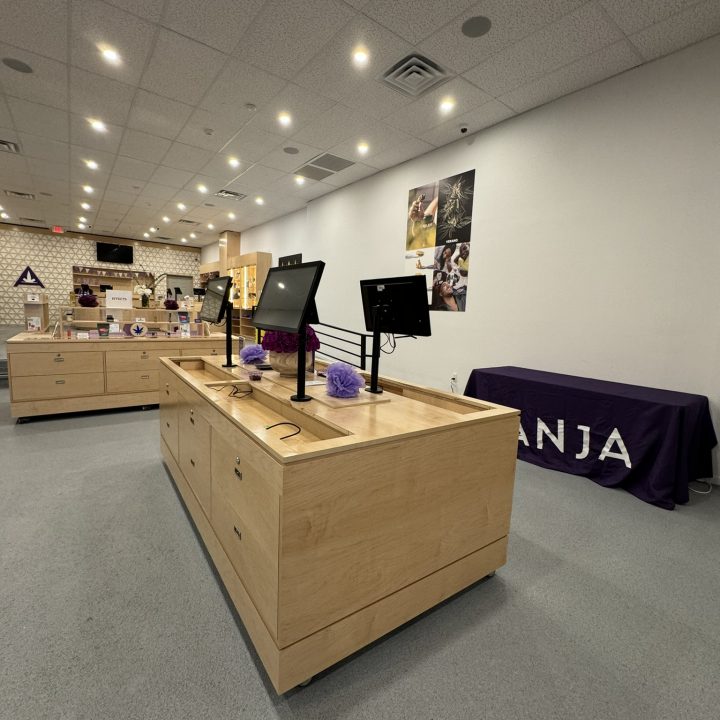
228,337
375,366
300,396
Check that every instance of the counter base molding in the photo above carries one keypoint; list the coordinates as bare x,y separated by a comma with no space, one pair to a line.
330,539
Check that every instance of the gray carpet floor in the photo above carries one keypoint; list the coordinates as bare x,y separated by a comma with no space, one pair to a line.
608,608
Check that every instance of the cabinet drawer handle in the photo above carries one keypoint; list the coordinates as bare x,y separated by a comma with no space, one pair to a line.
238,473
192,462
192,420
144,355
168,424
167,392
59,359
237,532
144,377
59,382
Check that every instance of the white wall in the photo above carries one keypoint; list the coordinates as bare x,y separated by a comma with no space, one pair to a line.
209,253
595,243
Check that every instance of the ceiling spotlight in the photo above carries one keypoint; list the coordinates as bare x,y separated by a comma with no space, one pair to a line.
166,219
110,55
299,180
91,164
82,219
363,148
181,206
85,206
183,239
193,235
447,104
231,215
259,200
88,189
153,229
284,119
211,226
97,125
4,215
360,56
202,188
82,226
233,162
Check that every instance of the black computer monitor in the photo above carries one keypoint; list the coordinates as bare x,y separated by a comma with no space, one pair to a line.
199,292
287,301
398,305
215,303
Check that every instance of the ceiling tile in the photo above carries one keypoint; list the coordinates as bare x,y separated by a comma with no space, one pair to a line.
414,20
511,20
95,23
39,119
332,127
141,146
257,177
47,169
186,157
218,23
171,177
39,26
280,160
302,104
96,96
287,33
212,184
134,169
43,148
159,192
639,14
394,156
158,115
82,134
14,166
211,130
150,204
79,154
582,73
424,114
148,9
699,22
180,68
579,33
47,84
350,175
379,137
6,120
484,116
117,196
219,169
251,143
126,185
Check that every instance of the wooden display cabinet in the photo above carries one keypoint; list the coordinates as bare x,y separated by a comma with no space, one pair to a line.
249,273
36,310
119,279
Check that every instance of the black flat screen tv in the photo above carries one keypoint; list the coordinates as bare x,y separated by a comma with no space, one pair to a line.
288,297
217,295
398,304
112,252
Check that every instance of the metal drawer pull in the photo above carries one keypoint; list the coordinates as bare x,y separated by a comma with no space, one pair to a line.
59,382
59,359
238,473
192,420
144,355
168,424
237,459
192,462
144,377
237,532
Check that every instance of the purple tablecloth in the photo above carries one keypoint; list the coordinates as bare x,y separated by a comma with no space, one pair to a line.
650,442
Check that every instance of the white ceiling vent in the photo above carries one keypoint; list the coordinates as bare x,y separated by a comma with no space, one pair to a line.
31,221
414,75
188,222
21,195
9,146
323,166
230,195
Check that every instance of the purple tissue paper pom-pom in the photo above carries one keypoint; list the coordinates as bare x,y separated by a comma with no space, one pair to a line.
252,354
343,381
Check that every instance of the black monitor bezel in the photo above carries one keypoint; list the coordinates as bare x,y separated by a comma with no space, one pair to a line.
223,304
418,280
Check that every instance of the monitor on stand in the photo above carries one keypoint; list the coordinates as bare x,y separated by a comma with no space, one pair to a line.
216,305
287,304
397,305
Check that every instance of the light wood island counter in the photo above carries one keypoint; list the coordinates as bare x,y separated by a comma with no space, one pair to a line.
377,510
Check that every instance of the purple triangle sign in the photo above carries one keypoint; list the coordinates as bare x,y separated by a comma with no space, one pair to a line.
28,277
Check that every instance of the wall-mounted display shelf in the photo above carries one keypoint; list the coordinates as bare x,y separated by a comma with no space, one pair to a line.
249,273
119,279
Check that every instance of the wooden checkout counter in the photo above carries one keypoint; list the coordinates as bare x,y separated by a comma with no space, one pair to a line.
377,510
49,376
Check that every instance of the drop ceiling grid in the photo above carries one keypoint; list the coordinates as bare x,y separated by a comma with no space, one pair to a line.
157,152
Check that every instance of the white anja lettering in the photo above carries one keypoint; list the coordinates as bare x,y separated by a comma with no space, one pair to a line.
557,440
585,442
622,455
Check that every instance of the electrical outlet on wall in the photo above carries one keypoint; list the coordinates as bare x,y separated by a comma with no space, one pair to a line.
453,381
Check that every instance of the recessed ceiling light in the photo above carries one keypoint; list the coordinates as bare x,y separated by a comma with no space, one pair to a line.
299,180
259,200
202,188
231,215
110,55
17,65
153,229
4,216
146,235
181,206
85,206
360,56
82,219
284,119
476,26
447,104
363,148
97,125
88,189
233,162
166,219
193,235
82,226
183,239
91,164
211,226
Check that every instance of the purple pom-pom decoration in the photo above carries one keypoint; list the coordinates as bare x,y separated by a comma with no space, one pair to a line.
252,354
343,381
89,301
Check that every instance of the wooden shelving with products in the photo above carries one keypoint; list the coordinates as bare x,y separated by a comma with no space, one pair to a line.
118,279
249,273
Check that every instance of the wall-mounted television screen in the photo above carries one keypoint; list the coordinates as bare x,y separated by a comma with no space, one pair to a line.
112,252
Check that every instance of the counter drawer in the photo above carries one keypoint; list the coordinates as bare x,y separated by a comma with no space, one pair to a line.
49,387
56,363
123,360
169,418
204,350
194,451
132,381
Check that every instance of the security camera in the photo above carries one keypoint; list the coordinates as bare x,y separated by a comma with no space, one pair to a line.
463,129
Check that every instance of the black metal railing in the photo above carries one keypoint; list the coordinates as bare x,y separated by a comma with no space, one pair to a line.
356,346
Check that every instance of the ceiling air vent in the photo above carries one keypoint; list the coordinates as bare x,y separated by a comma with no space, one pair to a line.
188,222
230,195
34,221
414,75
9,146
323,166
21,195
162,237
